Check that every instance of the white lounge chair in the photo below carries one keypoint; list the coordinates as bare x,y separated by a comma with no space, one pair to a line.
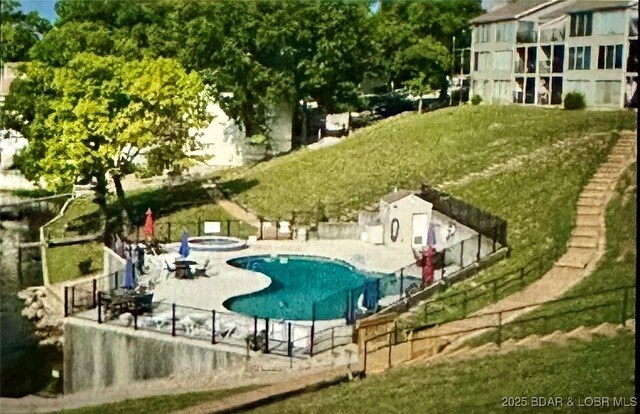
278,331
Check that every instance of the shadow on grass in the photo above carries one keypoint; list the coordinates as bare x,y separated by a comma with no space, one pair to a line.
234,187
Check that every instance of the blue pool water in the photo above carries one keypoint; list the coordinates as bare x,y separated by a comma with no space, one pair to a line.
299,281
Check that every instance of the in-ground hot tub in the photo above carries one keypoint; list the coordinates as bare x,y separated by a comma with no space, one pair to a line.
216,244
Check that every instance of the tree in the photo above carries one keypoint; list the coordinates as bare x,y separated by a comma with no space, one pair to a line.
19,31
413,36
108,110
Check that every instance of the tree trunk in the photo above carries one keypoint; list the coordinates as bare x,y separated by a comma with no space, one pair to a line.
420,102
122,204
101,200
303,137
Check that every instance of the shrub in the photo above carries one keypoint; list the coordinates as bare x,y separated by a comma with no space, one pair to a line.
574,100
476,99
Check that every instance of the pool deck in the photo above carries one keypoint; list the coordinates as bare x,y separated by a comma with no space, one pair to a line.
226,281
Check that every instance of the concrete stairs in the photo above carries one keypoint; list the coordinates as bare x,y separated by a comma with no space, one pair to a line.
534,341
588,235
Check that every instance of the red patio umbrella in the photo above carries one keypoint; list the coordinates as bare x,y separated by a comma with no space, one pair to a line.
148,224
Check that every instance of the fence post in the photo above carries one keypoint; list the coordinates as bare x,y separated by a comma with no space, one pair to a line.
73,297
464,304
266,337
495,290
255,331
365,357
289,343
115,279
479,246
99,307
66,301
495,236
199,223
499,340
213,327
401,281
333,340
261,226
228,228
313,327
173,319
94,289
625,298
347,313
20,276
389,366
277,227
168,231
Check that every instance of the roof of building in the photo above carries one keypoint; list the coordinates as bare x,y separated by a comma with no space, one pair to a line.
510,11
396,195
577,6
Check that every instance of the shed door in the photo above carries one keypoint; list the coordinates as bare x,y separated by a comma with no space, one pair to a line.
420,227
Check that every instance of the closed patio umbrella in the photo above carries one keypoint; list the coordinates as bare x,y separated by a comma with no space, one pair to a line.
184,244
129,275
148,224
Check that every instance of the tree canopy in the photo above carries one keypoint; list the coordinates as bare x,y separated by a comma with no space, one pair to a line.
20,31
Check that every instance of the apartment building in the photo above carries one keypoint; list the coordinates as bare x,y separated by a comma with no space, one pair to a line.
534,52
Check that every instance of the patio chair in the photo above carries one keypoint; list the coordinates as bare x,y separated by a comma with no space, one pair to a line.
168,266
202,270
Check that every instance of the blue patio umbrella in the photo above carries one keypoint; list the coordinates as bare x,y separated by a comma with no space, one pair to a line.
184,244
431,236
129,275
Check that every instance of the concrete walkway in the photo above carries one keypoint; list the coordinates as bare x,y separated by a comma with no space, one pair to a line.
238,212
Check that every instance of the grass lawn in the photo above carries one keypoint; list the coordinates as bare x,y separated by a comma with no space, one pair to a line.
175,209
75,261
161,404
603,367
617,269
430,148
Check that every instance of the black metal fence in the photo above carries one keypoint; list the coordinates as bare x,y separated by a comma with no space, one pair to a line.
493,323
171,231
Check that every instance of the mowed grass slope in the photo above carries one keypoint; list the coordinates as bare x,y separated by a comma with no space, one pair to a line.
405,152
603,367
596,301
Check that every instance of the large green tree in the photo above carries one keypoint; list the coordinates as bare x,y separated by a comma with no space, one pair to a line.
19,31
108,110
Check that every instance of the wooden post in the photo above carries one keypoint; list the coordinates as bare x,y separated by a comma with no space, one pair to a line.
213,327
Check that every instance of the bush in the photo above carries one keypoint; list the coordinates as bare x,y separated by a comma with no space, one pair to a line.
574,100
476,99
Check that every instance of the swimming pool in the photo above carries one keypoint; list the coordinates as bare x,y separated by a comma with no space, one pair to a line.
299,281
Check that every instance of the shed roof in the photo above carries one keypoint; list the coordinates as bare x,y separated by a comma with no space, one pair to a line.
510,11
397,195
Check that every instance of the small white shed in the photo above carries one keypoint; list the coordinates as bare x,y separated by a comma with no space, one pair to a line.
405,219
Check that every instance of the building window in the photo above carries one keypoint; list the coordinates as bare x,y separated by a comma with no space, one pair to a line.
526,33
610,57
502,60
607,23
581,24
633,26
632,60
483,61
504,32
580,58
525,60
483,33
607,93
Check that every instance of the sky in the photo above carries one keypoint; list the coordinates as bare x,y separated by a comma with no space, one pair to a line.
46,8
